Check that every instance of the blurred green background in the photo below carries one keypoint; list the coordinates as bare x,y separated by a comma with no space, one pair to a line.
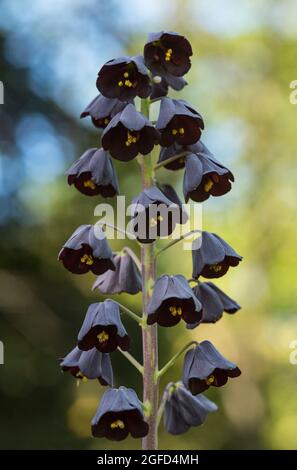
244,60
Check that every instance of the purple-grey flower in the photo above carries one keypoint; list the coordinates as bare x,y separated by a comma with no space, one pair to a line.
182,410
175,150
103,328
128,134
166,53
173,300
124,78
155,215
214,302
93,173
205,176
125,278
214,256
87,250
102,110
118,415
178,122
204,366
88,365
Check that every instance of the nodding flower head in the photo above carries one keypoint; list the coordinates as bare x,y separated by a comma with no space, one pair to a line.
102,110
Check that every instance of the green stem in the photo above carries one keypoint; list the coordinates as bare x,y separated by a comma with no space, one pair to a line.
133,256
174,358
129,312
174,242
132,360
170,160
149,333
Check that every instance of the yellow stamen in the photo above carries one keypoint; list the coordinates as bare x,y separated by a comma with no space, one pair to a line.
106,121
117,424
128,83
89,184
210,380
79,375
216,268
175,311
181,131
103,337
154,221
208,185
131,139
174,131
120,83
88,259
126,75
168,54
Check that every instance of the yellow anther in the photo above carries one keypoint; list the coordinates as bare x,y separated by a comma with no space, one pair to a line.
131,139
120,83
128,83
174,131
153,222
181,131
210,380
216,268
88,259
168,54
126,75
117,424
103,337
89,184
106,121
208,185
79,375
127,143
175,311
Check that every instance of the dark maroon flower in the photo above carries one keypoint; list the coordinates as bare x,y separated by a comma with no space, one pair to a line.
93,174
214,302
102,110
205,176
119,414
128,134
124,78
161,87
87,250
173,300
88,365
103,328
125,278
167,53
212,256
183,410
204,366
178,122
155,215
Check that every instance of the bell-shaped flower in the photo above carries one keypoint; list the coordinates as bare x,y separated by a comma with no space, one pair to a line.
128,134
204,366
125,278
118,415
214,302
102,110
124,78
93,173
205,176
173,300
88,365
178,122
166,53
212,256
174,150
182,410
103,328
87,250
154,215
